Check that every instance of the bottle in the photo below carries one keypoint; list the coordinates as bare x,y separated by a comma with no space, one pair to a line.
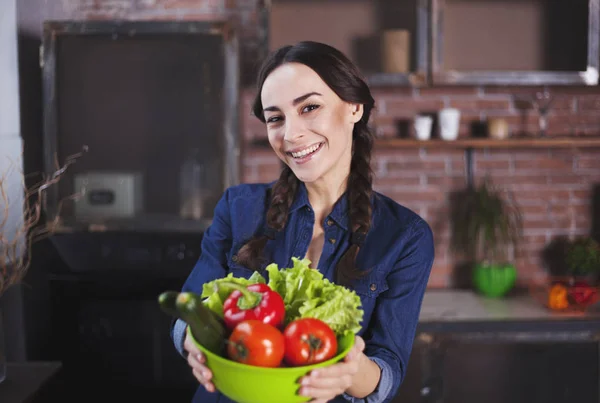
190,186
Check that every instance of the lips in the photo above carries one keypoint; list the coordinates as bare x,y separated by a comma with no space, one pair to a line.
300,153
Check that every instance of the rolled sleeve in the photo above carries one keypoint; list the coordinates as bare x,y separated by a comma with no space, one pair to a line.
178,335
390,338
383,389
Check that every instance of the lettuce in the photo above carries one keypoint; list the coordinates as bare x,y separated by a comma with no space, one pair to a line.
306,293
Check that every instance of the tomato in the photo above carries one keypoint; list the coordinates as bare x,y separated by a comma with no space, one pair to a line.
253,342
308,341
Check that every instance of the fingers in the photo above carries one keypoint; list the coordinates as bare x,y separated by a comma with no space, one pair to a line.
324,383
196,361
201,371
341,383
357,349
329,381
359,344
333,372
204,379
189,345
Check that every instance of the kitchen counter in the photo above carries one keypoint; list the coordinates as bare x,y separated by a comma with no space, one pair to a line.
466,311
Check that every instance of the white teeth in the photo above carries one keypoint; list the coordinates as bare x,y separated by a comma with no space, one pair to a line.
305,152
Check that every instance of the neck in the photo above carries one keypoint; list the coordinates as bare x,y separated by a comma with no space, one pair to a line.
323,197
324,193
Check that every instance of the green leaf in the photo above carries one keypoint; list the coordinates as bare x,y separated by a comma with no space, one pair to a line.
306,293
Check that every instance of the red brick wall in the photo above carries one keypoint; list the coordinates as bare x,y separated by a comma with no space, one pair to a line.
552,185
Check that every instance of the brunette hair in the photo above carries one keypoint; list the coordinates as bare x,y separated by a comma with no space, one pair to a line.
344,78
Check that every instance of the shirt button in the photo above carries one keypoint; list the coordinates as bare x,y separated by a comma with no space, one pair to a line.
373,286
234,258
308,210
330,222
331,240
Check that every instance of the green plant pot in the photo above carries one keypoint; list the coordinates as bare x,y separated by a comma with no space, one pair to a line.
494,280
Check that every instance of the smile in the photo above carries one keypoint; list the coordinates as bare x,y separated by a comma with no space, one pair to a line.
306,152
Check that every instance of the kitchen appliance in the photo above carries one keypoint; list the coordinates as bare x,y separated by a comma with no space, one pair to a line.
108,194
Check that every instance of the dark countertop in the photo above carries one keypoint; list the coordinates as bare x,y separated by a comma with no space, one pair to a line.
466,311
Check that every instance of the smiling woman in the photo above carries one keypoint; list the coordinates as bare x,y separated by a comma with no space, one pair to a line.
316,107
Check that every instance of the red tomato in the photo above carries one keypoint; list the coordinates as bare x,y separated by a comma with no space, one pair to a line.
256,343
308,341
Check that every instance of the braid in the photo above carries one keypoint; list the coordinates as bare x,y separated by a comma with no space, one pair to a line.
283,193
360,189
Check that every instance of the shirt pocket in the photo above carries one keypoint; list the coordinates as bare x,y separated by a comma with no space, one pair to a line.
368,289
370,286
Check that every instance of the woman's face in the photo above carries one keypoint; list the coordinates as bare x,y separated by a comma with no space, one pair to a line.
308,125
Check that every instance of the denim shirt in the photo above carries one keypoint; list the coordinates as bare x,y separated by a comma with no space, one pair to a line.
398,251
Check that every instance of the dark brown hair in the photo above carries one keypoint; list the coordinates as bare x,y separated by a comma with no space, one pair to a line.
340,74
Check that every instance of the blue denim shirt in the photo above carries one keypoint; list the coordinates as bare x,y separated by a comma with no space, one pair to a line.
398,249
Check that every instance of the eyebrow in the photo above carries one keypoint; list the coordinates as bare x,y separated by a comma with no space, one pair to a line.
294,102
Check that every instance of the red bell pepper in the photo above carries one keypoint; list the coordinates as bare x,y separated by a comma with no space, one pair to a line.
256,301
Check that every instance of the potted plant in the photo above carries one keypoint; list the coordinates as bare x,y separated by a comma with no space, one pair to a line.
583,259
583,266
486,230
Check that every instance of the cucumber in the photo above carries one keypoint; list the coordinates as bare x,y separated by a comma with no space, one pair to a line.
206,327
166,300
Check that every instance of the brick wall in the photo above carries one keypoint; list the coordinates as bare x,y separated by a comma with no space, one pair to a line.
553,186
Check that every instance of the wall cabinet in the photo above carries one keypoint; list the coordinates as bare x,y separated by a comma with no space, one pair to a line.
453,42
503,42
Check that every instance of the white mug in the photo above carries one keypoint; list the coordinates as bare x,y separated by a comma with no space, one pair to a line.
449,121
422,126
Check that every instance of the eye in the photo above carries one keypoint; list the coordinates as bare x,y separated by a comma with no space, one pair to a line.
309,108
274,119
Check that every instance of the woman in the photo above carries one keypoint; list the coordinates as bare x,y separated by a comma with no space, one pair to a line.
316,108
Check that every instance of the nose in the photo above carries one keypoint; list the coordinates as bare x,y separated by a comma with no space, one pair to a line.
294,130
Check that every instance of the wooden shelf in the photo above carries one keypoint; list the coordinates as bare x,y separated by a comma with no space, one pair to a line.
490,143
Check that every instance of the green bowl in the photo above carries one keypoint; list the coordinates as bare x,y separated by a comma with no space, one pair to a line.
250,384
494,280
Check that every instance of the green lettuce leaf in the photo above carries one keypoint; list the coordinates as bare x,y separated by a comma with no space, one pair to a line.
214,293
306,293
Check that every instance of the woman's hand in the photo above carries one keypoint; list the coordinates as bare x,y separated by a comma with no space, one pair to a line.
196,361
324,384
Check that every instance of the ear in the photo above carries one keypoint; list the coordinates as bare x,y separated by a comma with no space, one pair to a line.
356,112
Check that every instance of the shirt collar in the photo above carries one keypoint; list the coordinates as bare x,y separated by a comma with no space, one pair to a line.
301,199
340,210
